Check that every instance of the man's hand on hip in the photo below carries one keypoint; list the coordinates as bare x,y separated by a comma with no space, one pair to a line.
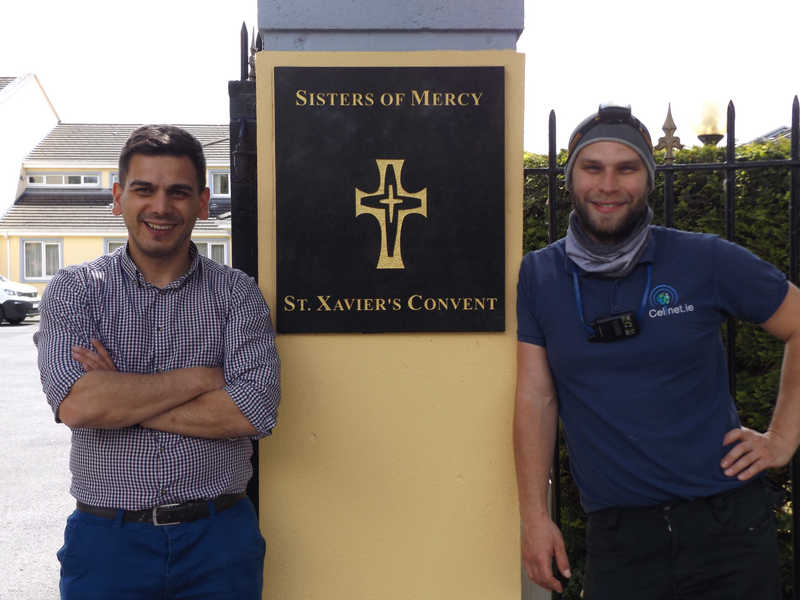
541,541
754,452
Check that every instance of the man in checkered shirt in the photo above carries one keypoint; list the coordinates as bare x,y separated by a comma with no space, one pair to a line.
163,365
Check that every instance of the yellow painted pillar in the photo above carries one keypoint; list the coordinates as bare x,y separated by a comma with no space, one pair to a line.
390,474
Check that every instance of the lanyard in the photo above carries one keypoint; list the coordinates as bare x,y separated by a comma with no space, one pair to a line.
579,301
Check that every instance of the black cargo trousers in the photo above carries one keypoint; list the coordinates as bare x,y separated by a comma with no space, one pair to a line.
723,547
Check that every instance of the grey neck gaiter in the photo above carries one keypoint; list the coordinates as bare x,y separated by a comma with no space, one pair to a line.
615,260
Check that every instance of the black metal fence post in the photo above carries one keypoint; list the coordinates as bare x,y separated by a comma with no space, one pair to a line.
552,232
794,243
552,179
244,202
669,143
730,231
669,199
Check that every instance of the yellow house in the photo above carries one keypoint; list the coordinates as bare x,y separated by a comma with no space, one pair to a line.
62,212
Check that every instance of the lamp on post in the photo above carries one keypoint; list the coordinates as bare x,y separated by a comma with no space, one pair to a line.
710,139
709,129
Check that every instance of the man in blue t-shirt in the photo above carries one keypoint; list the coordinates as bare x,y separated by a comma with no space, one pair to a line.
619,335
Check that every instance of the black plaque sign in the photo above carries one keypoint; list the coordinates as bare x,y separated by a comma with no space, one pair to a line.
390,199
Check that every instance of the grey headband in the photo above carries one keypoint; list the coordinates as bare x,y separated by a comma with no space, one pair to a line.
623,133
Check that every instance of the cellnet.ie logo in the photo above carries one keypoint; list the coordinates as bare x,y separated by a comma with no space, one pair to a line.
664,302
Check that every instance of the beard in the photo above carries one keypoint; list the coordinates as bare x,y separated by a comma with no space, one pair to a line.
620,231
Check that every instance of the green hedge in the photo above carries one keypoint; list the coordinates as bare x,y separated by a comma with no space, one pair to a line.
762,225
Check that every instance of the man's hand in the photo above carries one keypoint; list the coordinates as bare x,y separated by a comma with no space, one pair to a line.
94,361
541,541
753,452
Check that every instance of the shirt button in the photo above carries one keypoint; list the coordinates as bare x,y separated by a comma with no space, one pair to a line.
160,328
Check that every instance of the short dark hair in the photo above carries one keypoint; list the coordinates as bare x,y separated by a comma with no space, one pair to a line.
157,140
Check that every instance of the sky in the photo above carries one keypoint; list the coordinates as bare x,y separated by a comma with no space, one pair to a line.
103,61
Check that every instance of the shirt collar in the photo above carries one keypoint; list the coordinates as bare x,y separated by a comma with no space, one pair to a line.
131,270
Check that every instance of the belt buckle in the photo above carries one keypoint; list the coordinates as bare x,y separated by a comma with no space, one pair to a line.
155,515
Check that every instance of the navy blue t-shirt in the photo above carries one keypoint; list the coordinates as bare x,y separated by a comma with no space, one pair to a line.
645,416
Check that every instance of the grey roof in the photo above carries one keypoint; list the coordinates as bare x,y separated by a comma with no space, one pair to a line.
80,211
775,134
101,143
50,197
4,81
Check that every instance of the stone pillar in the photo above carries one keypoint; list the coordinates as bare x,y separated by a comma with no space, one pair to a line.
388,25
390,475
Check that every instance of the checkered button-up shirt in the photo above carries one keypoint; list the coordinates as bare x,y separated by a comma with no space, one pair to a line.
212,316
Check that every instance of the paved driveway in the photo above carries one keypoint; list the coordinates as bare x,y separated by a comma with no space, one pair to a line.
34,473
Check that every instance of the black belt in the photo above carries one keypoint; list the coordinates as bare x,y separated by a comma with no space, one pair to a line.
167,514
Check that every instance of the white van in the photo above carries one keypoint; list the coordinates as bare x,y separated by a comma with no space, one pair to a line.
17,301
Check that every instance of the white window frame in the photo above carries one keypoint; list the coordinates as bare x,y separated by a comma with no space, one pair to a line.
43,244
111,176
211,186
218,242
64,176
108,241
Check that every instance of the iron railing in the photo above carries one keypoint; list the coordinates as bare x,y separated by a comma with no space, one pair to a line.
244,180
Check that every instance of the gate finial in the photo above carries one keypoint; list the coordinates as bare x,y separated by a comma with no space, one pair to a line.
252,60
669,141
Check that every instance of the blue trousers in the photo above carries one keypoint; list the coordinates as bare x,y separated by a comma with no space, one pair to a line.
219,557
718,548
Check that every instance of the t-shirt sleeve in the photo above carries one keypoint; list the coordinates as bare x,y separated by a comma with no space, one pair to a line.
747,287
528,329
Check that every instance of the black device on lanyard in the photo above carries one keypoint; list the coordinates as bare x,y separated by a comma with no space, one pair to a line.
612,328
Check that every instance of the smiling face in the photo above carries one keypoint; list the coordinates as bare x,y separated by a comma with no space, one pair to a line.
609,190
160,201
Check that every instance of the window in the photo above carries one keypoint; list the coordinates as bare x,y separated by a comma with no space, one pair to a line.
64,179
220,183
113,244
114,178
216,251
42,258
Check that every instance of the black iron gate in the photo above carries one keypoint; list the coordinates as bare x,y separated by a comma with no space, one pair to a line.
731,166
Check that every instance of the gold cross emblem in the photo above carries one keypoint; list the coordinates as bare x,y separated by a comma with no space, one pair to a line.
390,204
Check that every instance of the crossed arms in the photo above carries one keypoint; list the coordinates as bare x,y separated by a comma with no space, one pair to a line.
237,398
188,401
536,415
